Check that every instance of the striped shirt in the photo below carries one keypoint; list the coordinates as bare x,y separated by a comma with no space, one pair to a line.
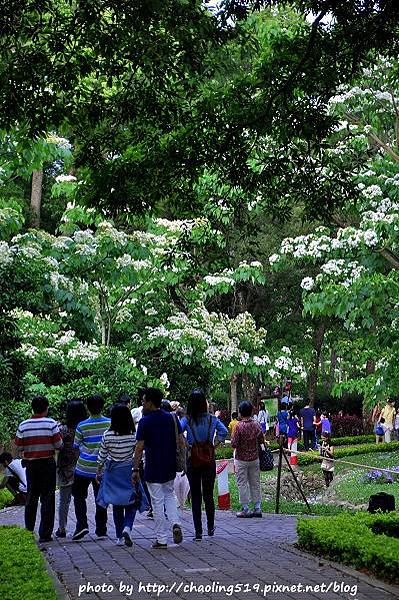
38,437
88,437
116,447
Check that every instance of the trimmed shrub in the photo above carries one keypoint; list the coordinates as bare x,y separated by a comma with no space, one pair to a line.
348,451
359,540
20,556
5,498
227,451
346,425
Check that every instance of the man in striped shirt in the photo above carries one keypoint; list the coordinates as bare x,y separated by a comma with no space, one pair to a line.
37,439
88,438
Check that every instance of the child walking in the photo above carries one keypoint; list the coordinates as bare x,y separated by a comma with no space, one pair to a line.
327,464
379,431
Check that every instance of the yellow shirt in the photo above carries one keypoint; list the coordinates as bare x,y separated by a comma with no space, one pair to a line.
232,424
388,412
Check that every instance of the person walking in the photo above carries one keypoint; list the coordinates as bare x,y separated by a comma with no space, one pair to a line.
308,414
327,453
233,423
397,424
37,439
88,438
388,414
116,457
262,418
66,461
317,428
201,428
246,439
156,435
379,431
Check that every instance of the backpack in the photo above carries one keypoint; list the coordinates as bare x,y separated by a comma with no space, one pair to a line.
379,430
381,501
202,453
266,462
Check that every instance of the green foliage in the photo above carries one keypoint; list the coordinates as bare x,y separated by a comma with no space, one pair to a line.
5,498
349,451
23,571
362,541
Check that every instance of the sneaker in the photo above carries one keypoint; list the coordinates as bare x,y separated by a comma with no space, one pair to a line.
177,534
158,546
198,537
60,533
102,535
211,531
126,534
244,514
44,540
150,514
120,542
79,534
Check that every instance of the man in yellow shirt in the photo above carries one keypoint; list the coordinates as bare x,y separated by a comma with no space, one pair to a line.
233,423
388,413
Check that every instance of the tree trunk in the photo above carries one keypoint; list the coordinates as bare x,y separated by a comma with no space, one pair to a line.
36,197
318,338
333,365
233,394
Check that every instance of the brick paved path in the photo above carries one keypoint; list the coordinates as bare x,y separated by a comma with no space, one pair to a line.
247,551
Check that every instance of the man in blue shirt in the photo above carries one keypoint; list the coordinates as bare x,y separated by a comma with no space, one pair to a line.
158,433
307,416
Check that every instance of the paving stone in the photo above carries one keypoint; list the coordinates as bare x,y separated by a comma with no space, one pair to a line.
256,551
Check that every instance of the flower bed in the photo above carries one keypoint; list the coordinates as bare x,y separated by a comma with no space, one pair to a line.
359,540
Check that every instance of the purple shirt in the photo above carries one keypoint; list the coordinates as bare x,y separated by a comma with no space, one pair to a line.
293,427
325,426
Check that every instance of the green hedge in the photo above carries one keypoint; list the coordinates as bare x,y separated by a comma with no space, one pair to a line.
349,451
357,440
20,556
354,541
5,498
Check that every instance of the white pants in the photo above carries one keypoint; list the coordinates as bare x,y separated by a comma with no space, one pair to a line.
387,433
163,500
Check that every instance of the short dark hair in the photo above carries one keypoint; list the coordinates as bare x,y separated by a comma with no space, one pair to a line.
382,420
39,405
124,399
165,405
153,395
95,404
121,420
234,415
5,457
75,413
245,408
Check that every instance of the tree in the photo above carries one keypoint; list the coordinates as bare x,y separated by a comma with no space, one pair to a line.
357,255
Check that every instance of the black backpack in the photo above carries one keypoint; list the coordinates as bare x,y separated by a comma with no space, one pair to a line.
266,462
381,501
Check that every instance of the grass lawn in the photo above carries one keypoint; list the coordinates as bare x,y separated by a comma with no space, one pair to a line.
347,485
351,488
23,573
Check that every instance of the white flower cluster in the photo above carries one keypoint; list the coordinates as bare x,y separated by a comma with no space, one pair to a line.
65,179
6,255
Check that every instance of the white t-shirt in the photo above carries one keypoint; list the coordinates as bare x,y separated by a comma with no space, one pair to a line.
19,470
262,417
